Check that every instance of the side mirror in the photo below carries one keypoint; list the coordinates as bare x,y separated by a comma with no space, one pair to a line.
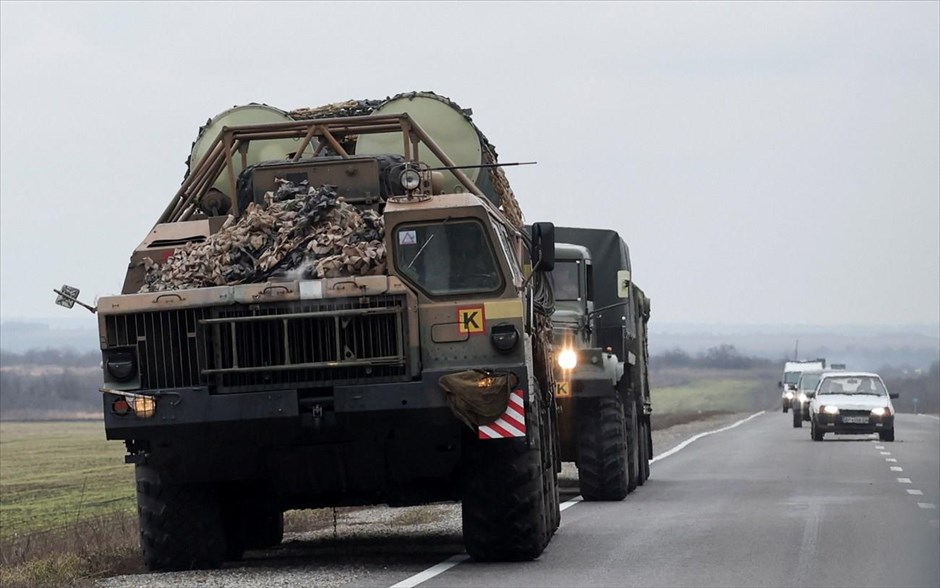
893,395
811,394
543,246
779,384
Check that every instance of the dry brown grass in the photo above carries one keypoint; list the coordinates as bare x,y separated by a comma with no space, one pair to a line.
72,555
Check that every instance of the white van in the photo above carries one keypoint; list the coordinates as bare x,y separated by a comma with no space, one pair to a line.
791,375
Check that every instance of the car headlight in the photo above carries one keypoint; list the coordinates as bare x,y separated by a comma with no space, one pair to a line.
567,359
829,409
802,397
789,395
881,411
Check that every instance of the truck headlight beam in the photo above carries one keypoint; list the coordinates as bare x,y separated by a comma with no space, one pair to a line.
567,359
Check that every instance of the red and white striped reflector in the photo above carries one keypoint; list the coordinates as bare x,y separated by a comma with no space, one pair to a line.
511,423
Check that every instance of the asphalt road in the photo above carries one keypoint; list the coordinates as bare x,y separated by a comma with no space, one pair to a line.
756,505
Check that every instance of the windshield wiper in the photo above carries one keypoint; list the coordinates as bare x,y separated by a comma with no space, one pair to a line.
420,251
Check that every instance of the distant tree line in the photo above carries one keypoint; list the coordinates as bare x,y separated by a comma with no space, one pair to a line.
56,357
725,357
919,392
67,389
38,381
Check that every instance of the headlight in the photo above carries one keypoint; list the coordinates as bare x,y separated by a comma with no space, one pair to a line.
410,179
881,411
830,409
567,359
802,397
789,395
121,364
504,337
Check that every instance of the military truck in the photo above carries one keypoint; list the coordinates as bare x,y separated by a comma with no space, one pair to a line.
251,365
600,329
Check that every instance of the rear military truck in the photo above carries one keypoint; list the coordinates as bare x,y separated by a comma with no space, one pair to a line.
340,306
600,332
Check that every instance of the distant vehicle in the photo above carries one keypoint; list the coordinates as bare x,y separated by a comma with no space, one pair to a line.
805,389
851,403
791,375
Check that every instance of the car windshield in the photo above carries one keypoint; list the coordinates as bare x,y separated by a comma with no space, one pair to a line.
447,258
791,377
809,381
565,280
853,385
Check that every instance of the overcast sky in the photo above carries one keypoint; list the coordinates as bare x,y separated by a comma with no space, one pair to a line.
766,163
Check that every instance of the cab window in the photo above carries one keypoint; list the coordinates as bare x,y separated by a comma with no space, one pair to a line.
449,258
565,280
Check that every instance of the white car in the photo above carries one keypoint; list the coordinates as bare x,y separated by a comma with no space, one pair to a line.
851,403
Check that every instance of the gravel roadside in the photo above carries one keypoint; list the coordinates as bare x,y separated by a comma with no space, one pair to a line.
362,541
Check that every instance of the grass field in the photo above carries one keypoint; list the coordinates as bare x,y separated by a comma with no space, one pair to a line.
53,474
680,394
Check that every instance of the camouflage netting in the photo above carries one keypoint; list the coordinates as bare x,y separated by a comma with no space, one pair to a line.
300,232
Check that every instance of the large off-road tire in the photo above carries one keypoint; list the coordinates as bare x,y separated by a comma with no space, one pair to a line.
631,421
550,461
886,435
786,406
180,524
797,418
603,469
505,514
644,437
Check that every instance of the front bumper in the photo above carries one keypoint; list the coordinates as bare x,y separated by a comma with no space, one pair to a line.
836,424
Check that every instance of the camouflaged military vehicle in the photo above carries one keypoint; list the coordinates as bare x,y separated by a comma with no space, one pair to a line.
600,330
340,306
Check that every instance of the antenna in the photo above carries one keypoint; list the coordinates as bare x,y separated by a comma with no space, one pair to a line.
796,352
482,165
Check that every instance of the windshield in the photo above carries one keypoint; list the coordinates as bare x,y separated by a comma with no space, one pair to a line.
853,385
565,280
447,258
809,381
791,377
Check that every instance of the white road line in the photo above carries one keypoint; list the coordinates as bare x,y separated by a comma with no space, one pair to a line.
927,505
891,459
432,571
915,492
808,544
454,560
904,480
896,469
570,503
879,446
885,453
688,441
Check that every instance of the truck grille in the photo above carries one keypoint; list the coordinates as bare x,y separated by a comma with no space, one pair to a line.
296,344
